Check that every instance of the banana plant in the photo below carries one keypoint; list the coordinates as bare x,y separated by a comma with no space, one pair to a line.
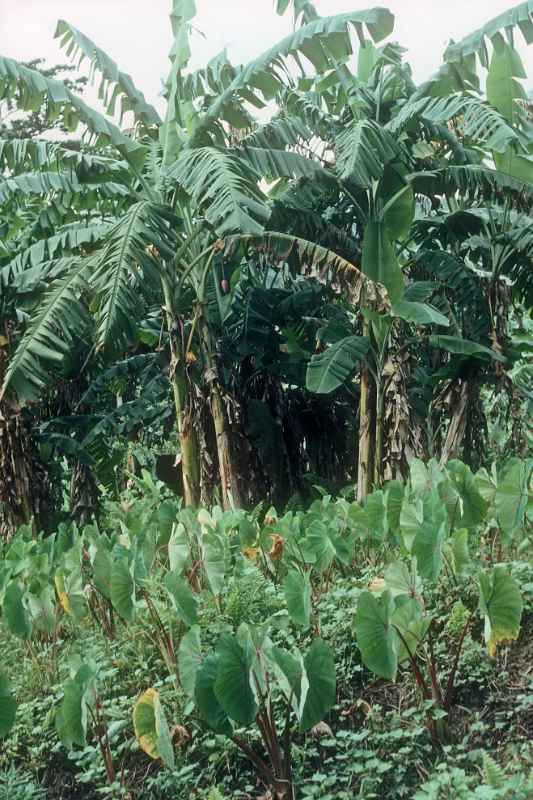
181,186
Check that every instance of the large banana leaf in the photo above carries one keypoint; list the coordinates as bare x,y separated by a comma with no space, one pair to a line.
29,90
317,41
224,188
114,83
379,261
475,43
60,318
363,150
332,368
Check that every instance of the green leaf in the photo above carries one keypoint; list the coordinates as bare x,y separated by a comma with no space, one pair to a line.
475,43
511,497
123,590
8,706
472,508
501,604
182,597
464,347
224,187
419,313
429,539
214,561
189,660
114,83
232,685
151,728
379,262
178,548
460,552
290,671
71,716
398,200
297,591
206,699
363,150
321,695
15,613
412,626
30,90
376,637
402,579
332,368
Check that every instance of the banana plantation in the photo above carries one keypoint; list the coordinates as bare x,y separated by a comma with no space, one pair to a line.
266,390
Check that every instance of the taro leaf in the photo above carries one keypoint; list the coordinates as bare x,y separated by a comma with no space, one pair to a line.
290,670
402,580
206,699
41,607
232,684
317,546
394,493
297,591
184,601
15,613
102,571
429,539
151,728
473,508
214,561
71,716
411,517
8,706
460,553
178,548
512,495
69,587
189,659
122,590
376,512
320,669
411,624
501,604
376,637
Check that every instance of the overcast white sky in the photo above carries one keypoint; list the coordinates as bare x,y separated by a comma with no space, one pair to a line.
136,33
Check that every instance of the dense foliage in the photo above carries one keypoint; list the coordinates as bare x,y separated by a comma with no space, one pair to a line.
265,368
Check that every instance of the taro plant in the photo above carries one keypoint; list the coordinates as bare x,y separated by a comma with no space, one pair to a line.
248,680
395,620
81,713
8,706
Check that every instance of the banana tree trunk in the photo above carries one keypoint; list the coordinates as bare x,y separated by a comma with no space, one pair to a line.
365,464
229,479
457,426
190,461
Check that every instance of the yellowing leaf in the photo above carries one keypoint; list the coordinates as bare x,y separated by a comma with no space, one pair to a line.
151,728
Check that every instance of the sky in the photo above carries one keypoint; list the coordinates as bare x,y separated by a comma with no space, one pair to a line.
136,33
